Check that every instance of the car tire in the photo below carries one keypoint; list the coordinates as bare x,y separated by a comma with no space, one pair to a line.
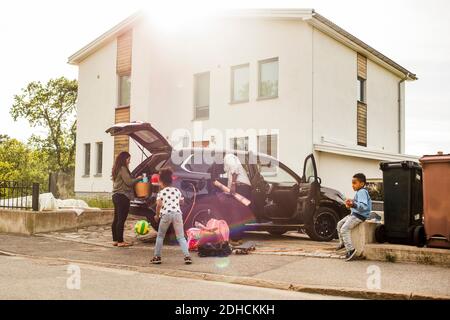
203,213
380,233
324,225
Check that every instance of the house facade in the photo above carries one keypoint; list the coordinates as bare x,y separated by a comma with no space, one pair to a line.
283,82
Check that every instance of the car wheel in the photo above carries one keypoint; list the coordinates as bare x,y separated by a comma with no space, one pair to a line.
324,225
380,233
202,213
419,236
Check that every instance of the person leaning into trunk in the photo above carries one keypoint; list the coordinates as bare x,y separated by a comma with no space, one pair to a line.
360,206
123,192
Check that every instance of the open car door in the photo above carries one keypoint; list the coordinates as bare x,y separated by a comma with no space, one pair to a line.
309,194
144,134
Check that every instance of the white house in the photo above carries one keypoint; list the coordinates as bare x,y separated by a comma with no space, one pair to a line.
298,81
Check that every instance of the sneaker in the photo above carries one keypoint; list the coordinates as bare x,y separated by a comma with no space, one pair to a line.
340,247
187,260
351,255
156,260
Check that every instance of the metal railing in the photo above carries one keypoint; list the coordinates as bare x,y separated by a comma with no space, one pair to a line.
19,195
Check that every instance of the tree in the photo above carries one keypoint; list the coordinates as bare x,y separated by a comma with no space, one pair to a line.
3,138
51,106
19,162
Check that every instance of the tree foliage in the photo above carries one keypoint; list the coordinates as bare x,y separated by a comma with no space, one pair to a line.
51,106
20,162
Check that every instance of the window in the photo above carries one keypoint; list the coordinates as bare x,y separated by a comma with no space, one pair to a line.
194,165
240,144
268,144
361,87
278,173
240,83
99,170
124,91
201,96
268,79
87,159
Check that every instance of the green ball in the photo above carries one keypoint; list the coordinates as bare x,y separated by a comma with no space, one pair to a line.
142,227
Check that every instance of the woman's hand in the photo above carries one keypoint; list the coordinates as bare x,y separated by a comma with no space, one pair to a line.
139,178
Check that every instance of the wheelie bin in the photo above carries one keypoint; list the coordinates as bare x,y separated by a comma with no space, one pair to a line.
436,193
403,204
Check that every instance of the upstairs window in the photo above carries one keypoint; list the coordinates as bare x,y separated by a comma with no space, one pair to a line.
201,96
268,79
124,91
361,89
240,83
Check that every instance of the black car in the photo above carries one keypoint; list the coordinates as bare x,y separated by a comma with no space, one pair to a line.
281,200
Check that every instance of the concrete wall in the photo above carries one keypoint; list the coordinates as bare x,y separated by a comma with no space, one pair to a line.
29,223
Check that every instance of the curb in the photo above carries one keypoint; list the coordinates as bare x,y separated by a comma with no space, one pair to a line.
248,281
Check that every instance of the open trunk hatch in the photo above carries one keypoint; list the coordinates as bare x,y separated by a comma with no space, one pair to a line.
143,133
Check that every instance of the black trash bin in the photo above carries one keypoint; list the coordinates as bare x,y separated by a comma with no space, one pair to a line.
403,204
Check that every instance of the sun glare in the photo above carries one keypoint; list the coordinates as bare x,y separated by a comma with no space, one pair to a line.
174,18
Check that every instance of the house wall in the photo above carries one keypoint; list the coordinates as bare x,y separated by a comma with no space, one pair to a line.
97,97
165,64
336,171
335,98
382,109
317,93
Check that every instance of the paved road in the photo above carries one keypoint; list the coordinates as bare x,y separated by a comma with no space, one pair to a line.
333,273
22,278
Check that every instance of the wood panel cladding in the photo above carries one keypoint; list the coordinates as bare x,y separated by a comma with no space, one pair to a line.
121,143
362,66
362,124
124,53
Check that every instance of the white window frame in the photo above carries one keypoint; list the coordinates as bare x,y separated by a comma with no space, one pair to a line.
233,99
99,159
274,172
87,160
196,107
260,63
119,89
362,89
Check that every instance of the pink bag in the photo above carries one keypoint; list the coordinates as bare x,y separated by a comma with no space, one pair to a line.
222,228
193,238
215,231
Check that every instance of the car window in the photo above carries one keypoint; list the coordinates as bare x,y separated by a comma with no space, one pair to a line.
309,171
195,164
274,173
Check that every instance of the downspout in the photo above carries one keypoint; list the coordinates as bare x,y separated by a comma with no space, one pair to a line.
400,113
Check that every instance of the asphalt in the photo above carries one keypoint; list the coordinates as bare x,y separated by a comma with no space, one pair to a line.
328,276
26,279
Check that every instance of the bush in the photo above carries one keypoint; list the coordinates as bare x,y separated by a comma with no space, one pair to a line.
101,203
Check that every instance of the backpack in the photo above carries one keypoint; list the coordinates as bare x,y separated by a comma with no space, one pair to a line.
209,249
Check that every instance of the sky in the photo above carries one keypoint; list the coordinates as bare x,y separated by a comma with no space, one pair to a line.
38,36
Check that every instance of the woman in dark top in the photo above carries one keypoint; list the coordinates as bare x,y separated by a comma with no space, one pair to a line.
123,192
